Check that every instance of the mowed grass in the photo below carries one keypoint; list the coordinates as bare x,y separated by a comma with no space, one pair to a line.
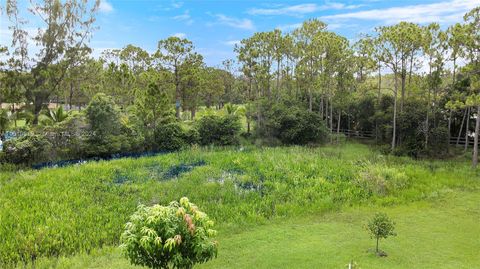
443,233
63,212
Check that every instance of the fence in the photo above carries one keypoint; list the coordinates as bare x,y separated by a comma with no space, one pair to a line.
368,134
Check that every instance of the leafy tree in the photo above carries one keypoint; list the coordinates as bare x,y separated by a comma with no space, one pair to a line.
380,226
62,42
153,103
472,48
175,236
310,43
137,59
364,60
174,52
194,83
103,116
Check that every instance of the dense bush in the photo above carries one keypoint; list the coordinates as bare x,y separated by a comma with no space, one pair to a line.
103,116
438,141
219,130
109,133
175,236
69,137
290,124
169,137
30,149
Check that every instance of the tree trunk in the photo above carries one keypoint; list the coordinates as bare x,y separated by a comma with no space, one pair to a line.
326,112
475,143
403,78
411,70
70,96
376,248
331,117
426,130
449,127
13,113
338,124
278,76
461,127
377,130
466,128
454,69
394,134
37,107
321,107
193,112
177,93
310,100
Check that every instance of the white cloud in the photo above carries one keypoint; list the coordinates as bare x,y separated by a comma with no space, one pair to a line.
105,7
235,22
180,35
443,12
169,6
289,27
232,42
184,17
153,18
177,4
301,9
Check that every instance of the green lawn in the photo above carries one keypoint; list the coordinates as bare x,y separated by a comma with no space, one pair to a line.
443,233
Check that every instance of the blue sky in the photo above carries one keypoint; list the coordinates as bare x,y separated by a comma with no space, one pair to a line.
215,26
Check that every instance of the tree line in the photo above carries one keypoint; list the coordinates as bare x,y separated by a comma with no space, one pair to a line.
403,82
414,87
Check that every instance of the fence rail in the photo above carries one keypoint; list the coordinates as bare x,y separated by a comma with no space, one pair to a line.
355,133
368,134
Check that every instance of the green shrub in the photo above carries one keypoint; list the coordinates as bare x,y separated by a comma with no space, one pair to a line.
219,130
110,132
191,136
169,137
103,116
69,137
438,141
291,124
173,236
28,149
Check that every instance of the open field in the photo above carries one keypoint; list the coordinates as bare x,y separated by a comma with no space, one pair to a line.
274,207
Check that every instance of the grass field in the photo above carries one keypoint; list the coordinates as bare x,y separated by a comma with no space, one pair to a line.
274,208
441,233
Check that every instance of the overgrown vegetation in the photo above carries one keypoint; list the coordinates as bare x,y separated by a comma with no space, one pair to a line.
40,210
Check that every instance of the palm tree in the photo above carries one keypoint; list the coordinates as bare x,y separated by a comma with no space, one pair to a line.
56,116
